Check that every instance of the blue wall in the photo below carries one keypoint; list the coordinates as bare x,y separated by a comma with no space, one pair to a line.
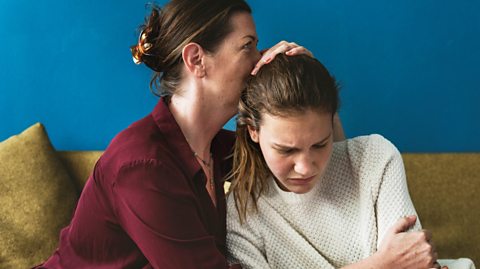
408,69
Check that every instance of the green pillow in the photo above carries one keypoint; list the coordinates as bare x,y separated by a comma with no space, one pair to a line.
37,198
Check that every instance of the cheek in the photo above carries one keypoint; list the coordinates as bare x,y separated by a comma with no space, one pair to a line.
324,158
246,64
278,166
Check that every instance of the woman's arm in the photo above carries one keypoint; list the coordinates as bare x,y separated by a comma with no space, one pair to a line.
402,249
338,133
162,219
398,246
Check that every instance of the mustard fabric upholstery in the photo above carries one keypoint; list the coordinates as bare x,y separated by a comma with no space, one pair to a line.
37,198
445,189
79,164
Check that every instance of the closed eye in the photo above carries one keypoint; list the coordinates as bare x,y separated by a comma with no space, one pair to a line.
286,151
248,45
319,146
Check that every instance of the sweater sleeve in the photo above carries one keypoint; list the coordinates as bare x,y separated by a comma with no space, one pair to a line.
393,200
244,243
156,210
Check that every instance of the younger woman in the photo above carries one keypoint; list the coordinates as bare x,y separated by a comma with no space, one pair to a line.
298,200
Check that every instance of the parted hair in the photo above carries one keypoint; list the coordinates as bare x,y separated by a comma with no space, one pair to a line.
167,30
289,85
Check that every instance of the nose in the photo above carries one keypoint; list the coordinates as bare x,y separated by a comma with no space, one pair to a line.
304,165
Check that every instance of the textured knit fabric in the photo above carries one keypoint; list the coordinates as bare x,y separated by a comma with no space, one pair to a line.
145,205
342,220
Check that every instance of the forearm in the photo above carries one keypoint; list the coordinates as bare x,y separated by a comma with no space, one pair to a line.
372,262
338,133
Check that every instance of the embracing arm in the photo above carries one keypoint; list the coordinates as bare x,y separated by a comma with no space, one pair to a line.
402,249
160,215
338,133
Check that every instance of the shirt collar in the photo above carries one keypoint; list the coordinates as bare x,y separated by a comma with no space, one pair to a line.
222,143
175,138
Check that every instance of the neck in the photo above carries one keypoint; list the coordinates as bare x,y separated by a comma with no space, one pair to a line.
199,119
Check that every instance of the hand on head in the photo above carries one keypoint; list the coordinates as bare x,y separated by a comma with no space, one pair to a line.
408,249
289,48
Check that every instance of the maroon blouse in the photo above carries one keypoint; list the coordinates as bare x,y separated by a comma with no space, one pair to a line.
145,204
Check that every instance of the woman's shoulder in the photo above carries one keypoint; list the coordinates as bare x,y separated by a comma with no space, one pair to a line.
366,158
364,153
373,144
140,141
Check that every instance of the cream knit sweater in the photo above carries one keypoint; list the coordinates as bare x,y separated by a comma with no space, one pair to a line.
342,220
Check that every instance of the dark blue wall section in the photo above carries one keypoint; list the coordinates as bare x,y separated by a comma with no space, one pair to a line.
408,69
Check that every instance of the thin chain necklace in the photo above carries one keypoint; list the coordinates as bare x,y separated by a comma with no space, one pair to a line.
207,164
210,178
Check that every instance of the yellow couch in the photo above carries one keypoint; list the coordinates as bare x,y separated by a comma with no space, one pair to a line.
443,187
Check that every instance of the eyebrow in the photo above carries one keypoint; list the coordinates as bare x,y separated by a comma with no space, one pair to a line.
280,146
251,36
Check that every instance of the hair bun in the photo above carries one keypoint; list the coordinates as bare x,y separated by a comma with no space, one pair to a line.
141,53
136,54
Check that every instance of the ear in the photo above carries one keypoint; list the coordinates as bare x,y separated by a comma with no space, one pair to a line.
253,133
193,55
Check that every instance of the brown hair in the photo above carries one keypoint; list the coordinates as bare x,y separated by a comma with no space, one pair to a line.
167,30
288,85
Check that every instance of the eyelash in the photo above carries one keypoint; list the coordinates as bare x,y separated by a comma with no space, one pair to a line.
286,151
290,151
248,45
319,146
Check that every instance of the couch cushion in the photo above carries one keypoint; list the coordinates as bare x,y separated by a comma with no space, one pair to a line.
445,191
37,198
80,164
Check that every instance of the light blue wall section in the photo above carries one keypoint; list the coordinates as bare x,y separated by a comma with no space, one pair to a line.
408,69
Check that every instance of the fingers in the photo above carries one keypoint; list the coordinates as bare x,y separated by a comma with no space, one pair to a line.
429,250
298,51
428,235
289,48
403,224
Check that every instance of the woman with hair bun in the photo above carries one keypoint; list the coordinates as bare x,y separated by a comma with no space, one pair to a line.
155,198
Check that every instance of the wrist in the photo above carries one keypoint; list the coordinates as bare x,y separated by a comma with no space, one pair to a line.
375,261
380,260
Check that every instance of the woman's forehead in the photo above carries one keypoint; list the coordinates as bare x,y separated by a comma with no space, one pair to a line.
309,125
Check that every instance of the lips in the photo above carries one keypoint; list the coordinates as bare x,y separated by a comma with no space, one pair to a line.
300,181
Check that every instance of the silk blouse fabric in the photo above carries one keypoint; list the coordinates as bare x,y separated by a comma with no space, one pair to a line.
145,204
